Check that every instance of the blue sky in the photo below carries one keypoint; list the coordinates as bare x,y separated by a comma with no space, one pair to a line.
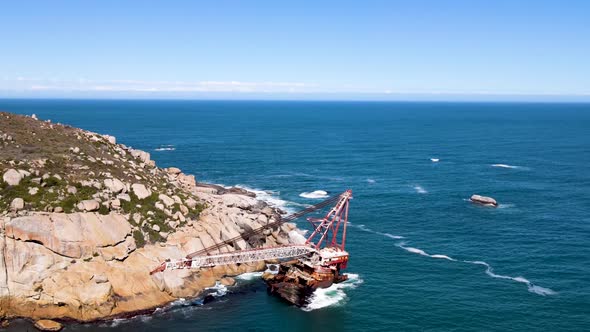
296,49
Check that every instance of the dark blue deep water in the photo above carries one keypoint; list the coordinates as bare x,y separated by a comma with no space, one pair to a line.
522,266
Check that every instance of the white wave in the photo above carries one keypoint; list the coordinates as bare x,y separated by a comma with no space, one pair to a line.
333,295
531,287
434,160
271,197
391,236
424,253
504,206
368,230
249,276
164,149
540,290
489,271
314,194
420,190
443,257
362,228
220,289
297,237
416,251
371,181
505,166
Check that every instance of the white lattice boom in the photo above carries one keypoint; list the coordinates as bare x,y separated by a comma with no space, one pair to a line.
322,227
241,256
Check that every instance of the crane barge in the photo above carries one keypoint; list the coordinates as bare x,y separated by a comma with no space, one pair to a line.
305,267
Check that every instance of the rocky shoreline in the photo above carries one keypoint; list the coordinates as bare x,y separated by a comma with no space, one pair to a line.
83,220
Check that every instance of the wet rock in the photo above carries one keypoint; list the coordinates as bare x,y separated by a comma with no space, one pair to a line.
48,325
483,200
227,281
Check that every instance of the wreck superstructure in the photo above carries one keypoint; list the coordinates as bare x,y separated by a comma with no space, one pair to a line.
315,264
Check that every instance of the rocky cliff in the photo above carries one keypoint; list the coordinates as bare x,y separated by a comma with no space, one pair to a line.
83,220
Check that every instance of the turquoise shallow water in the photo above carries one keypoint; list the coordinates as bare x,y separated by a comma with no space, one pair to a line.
418,249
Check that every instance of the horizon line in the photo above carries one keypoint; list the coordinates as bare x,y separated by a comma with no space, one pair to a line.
114,98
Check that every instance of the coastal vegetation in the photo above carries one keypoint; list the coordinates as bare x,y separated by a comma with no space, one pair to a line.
83,220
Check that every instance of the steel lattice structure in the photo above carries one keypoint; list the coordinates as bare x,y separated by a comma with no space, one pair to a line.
240,256
331,223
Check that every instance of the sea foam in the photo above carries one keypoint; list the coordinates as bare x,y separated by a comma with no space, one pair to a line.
272,198
505,166
531,287
165,148
317,194
248,276
334,295
420,190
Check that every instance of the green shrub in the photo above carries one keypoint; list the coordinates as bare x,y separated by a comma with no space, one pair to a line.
139,240
103,210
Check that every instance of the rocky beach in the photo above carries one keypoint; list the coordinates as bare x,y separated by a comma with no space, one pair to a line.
83,220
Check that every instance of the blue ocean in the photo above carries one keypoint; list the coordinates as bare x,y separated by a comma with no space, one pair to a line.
423,258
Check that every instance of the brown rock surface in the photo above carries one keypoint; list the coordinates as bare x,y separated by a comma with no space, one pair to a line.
48,325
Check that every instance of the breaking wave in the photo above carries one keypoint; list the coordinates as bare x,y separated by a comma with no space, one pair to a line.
423,253
391,236
489,270
420,190
218,290
314,194
531,287
434,160
333,295
249,276
272,198
165,148
507,166
371,181
368,230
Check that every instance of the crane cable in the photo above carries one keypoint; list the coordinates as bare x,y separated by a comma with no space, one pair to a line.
279,222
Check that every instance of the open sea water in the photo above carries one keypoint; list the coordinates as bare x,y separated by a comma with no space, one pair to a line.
423,258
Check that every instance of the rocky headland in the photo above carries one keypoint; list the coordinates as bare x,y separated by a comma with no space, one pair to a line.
83,220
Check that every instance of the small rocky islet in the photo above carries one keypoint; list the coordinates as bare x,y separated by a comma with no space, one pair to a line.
83,220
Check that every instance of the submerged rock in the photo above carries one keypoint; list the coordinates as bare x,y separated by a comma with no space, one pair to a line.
483,200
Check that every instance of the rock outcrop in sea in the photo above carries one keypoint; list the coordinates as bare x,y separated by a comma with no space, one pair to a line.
83,220
483,200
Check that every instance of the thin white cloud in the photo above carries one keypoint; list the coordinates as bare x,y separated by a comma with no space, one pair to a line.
82,85
164,86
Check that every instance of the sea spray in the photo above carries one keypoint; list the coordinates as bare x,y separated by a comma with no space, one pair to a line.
334,295
317,194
